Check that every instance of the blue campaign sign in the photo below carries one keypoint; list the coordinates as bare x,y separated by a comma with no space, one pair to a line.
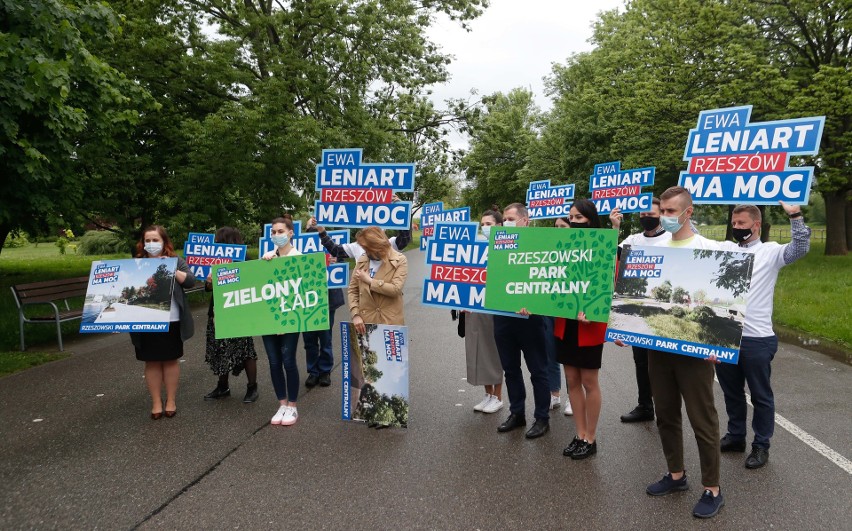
343,168
387,216
337,274
612,187
458,261
732,160
428,208
545,201
433,216
201,253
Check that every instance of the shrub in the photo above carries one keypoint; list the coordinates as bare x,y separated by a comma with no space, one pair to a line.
62,243
678,311
96,242
16,240
703,315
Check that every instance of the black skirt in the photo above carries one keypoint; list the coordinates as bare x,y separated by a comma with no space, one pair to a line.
568,351
160,346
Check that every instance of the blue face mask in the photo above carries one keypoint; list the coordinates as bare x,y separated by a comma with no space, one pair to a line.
671,223
486,230
280,240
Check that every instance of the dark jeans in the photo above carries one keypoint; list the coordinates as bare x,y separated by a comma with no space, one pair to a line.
281,351
643,382
554,369
514,336
319,356
754,368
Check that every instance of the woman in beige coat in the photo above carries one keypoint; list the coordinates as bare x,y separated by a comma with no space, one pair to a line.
375,291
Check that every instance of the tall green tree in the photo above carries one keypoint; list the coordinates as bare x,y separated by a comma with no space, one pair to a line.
811,42
54,92
501,140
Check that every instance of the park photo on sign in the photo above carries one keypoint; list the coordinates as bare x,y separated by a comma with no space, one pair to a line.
132,295
685,301
375,374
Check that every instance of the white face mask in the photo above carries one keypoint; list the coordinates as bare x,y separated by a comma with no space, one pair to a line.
154,248
509,223
486,230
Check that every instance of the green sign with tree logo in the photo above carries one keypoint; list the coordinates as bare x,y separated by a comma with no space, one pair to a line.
279,296
551,271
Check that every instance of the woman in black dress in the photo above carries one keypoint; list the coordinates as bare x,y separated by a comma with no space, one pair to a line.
161,350
579,348
229,355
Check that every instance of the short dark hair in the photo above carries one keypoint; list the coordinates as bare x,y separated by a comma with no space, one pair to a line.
520,208
752,210
498,217
286,219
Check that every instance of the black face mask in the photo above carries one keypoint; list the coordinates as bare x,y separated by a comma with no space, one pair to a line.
741,235
578,225
648,223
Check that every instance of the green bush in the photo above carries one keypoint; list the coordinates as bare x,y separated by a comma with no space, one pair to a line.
703,315
101,242
678,311
16,241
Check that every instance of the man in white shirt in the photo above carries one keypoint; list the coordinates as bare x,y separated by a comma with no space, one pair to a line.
652,234
759,342
677,379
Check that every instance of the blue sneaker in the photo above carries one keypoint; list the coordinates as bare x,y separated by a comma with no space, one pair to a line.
708,506
667,485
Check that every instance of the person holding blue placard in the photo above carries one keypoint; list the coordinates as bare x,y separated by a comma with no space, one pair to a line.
161,350
229,355
579,348
759,343
281,348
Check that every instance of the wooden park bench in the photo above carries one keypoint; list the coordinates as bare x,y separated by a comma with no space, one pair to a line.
48,293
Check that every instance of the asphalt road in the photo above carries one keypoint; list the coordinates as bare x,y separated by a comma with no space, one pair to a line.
79,451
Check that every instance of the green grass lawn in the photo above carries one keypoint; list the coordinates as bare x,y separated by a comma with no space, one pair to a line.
11,362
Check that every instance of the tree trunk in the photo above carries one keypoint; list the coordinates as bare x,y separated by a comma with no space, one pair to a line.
848,225
5,229
765,226
836,223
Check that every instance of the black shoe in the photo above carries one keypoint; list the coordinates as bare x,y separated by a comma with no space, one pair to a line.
219,392
513,422
729,444
584,450
639,414
324,379
757,458
539,428
572,446
312,381
251,394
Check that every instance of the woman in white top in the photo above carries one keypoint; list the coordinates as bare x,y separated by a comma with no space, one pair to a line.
281,348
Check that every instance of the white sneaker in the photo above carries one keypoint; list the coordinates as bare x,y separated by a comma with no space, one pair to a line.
568,410
290,416
279,416
555,402
493,406
479,406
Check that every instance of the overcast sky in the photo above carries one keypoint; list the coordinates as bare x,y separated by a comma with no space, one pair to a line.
514,44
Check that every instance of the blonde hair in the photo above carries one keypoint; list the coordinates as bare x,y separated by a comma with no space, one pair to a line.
374,241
